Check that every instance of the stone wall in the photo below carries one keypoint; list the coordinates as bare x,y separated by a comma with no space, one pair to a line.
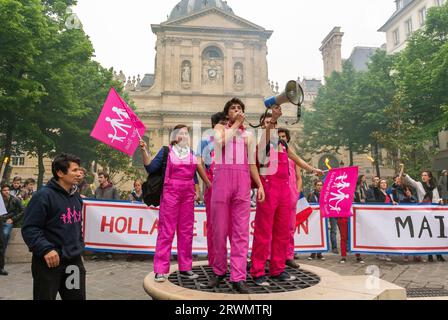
17,251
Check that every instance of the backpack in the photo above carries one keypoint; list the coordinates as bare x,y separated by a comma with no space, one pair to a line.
153,187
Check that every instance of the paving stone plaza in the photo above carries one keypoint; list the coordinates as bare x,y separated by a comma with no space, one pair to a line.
122,280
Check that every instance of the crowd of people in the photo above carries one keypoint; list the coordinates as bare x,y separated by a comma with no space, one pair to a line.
237,171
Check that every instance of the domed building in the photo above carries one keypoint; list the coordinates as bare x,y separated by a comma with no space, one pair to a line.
206,55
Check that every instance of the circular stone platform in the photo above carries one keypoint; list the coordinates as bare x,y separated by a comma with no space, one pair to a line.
312,283
304,279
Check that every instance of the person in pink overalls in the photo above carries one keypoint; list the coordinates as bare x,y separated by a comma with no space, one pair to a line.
206,153
176,212
234,166
295,183
273,217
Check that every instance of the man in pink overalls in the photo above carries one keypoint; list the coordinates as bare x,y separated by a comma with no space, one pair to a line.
206,153
273,217
295,183
235,165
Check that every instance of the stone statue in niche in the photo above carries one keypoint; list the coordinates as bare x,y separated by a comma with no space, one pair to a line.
186,72
238,77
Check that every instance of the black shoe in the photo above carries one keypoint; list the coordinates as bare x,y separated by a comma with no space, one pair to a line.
261,281
320,256
241,287
284,276
292,264
3,272
440,258
430,258
189,275
215,281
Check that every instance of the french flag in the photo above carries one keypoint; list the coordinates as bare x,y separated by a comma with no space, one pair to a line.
303,210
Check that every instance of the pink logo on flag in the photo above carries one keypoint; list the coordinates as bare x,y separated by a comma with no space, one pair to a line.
338,192
118,126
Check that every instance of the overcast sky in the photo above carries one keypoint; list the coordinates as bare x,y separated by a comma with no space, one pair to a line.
121,30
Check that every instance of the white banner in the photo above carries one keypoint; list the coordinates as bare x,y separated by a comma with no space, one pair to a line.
131,227
403,229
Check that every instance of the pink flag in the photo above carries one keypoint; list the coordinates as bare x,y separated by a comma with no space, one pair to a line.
336,197
118,126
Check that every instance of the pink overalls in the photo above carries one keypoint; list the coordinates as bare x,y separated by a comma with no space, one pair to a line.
294,199
272,221
208,210
231,209
176,214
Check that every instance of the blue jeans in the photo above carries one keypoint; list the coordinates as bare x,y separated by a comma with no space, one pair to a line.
333,230
7,229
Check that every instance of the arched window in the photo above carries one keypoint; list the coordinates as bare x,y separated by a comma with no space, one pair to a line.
212,53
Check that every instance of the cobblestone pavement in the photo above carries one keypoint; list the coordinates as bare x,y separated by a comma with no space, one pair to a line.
123,280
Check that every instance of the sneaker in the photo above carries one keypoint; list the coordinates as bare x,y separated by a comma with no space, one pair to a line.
388,259
241,287
296,256
360,260
188,275
320,256
3,272
215,281
160,277
292,264
284,276
261,281
343,260
440,258
430,258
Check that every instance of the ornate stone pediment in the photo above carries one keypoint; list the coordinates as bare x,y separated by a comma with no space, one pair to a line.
214,18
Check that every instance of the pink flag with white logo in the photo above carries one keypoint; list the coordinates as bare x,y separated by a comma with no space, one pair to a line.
338,192
118,126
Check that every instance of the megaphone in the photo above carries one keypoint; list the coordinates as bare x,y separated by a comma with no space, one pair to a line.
293,93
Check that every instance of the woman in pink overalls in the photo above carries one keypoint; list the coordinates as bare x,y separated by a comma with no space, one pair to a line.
177,205
234,166
273,217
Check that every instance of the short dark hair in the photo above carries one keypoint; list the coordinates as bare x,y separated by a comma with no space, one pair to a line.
230,103
4,185
217,117
62,163
17,178
28,181
286,132
104,174
317,181
175,130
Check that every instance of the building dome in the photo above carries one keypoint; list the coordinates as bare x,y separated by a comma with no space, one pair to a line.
187,7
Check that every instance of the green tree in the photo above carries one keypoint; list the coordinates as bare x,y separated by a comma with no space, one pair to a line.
24,28
335,122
